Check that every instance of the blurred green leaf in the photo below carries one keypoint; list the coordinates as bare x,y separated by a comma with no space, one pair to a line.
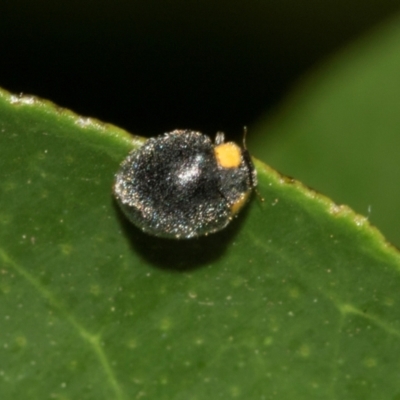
340,132
296,299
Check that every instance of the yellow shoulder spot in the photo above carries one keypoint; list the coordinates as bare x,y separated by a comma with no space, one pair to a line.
228,155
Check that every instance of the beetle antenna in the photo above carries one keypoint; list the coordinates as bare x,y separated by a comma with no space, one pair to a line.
252,178
244,137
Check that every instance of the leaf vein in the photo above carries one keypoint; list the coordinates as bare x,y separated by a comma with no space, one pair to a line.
93,340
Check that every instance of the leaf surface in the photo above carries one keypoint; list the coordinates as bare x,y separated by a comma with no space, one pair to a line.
296,299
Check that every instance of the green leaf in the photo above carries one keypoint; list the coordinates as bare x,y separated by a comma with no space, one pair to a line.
339,133
297,299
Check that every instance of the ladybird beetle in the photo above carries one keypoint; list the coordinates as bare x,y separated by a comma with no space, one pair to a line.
182,185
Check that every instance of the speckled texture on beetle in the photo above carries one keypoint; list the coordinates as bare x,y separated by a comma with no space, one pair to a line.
182,185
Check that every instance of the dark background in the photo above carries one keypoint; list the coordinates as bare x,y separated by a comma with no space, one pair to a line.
153,66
